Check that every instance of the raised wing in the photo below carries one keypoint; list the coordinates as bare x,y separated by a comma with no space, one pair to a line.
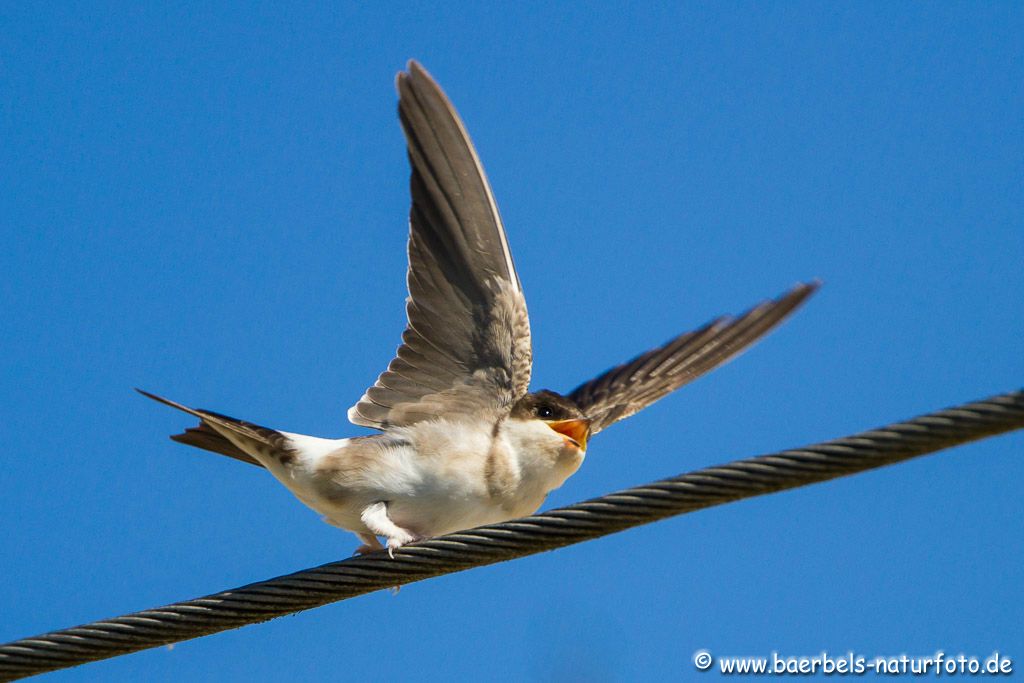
466,349
630,387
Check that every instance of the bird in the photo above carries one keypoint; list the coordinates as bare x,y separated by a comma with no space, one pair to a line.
461,440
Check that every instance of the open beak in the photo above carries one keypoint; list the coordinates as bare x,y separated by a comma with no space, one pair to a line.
576,431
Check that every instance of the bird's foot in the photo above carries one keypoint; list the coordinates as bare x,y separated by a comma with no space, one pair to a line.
396,542
376,519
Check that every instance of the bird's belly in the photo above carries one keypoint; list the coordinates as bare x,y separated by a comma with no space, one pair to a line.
424,493
343,512
431,486
433,517
422,510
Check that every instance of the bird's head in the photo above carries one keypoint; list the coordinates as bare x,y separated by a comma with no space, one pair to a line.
558,412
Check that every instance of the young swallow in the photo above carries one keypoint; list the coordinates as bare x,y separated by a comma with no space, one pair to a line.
463,441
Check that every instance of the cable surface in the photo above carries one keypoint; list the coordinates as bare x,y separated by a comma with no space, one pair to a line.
485,545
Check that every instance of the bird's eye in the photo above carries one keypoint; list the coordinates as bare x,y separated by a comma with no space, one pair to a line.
545,412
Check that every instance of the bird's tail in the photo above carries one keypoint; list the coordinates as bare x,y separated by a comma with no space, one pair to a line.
227,436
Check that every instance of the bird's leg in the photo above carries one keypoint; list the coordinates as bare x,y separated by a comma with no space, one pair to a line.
370,544
376,519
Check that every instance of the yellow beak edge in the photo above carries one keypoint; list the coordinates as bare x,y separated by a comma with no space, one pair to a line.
576,430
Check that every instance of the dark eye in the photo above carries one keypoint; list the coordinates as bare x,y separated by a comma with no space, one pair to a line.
545,412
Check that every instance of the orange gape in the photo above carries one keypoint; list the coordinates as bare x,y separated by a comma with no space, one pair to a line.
577,430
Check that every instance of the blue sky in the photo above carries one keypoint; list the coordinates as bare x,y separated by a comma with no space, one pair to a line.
211,204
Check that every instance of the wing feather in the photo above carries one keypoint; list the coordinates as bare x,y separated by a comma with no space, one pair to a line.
632,386
466,349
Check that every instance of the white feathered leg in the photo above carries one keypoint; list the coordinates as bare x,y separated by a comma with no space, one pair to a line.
376,519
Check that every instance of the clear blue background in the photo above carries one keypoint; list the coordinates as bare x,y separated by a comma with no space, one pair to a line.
212,204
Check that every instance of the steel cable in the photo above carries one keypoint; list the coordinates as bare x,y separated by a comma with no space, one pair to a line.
590,519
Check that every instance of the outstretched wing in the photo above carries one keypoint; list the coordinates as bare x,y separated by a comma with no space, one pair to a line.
632,386
466,349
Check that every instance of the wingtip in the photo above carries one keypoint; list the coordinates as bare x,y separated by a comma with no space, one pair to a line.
801,291
812,285
413,69
416,76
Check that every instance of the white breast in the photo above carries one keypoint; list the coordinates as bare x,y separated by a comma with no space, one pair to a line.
436,477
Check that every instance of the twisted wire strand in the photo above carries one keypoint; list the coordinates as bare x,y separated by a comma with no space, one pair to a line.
485,545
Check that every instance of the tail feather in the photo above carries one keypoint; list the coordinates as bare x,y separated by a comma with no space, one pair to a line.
206,438
211,434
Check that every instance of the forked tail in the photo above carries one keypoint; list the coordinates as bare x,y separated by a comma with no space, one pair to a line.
211,433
